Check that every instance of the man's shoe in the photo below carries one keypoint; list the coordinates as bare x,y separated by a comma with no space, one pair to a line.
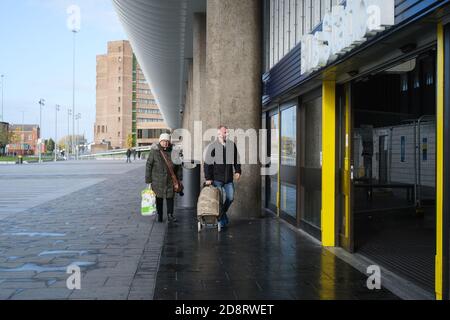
172,218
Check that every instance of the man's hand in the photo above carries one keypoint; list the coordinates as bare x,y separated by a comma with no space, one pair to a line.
209,182
237,176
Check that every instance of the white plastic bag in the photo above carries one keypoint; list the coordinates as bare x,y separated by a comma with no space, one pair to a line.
148,205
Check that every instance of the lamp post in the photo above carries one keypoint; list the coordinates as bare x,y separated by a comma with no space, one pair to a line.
3,84
41,104
57,108
74,25
22,136
78,117
68,139
74,31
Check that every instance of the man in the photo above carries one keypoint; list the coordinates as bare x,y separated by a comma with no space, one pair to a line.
158,177
221,167
129,156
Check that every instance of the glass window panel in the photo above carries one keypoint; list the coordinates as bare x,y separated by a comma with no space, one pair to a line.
312,165
289,137
288,199
274,162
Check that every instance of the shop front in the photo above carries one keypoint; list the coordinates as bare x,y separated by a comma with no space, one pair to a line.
367,113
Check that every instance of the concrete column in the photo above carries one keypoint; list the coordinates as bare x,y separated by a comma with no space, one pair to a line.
199,65
233,85
187,121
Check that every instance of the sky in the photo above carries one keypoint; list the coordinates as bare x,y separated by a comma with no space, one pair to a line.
36,56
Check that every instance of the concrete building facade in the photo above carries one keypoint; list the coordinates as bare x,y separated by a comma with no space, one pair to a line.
125,105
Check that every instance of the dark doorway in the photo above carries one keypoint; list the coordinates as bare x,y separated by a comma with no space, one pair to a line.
394,158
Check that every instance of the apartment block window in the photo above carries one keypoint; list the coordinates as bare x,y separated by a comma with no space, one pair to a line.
150,133
119,89
120,79
119,119
118,134
148,111
118,109
103,129
120,59
120,49
118,99
144,91
148,120
146,101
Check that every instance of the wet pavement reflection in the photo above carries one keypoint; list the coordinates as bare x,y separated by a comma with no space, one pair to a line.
259,259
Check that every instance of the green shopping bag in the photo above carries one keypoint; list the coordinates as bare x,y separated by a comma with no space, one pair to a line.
148,205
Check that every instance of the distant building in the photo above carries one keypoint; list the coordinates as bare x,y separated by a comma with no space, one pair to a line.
24,139
4,133
125,103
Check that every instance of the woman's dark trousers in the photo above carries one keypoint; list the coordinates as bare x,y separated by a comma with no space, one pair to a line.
160,208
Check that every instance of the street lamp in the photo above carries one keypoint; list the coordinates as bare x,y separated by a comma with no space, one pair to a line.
69,113
41,104
22,136
57,108
77,117
3,84
74,31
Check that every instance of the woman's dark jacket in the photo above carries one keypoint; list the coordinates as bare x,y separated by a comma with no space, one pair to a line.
157,173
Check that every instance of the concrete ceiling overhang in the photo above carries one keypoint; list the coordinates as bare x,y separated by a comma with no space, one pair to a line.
160,32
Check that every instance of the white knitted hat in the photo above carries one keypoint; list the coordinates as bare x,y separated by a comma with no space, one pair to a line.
164,136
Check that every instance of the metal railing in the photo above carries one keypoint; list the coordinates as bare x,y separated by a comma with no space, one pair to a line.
118,154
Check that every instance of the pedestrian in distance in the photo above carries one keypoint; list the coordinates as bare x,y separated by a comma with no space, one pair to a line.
163,176
129,156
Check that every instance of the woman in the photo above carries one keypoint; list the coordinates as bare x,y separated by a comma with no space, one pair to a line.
158,177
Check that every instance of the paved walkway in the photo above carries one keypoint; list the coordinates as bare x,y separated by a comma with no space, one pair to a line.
92,219
87,213
253,259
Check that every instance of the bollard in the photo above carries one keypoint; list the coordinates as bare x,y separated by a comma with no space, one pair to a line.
191,182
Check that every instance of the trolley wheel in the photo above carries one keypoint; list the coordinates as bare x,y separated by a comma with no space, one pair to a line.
199,224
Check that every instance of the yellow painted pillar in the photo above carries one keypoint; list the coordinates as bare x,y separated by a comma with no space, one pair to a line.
347,164
328,162
439,162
